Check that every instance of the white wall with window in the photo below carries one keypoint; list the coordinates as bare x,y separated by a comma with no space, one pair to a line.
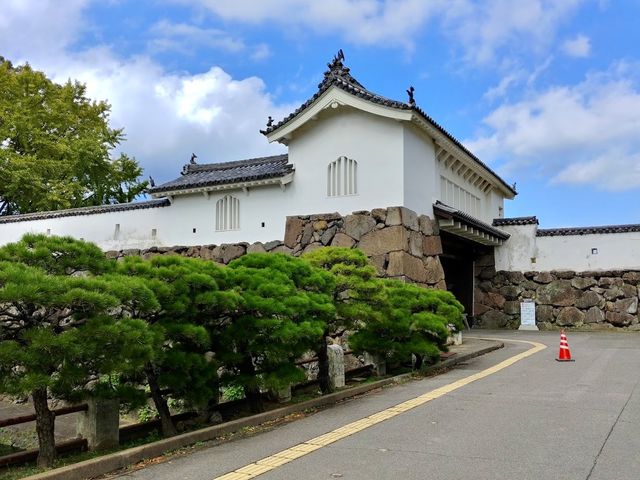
342,177
227,213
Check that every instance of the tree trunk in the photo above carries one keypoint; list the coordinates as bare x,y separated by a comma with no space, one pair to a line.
419,361
45,427
251,391
166,423
323,366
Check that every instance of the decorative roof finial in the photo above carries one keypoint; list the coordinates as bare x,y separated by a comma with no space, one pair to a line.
193,159
513,187
269,121
412,101
151,181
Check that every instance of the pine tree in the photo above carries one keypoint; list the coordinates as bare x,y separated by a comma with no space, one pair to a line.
281,312
58,334
409,320
189,299
355,291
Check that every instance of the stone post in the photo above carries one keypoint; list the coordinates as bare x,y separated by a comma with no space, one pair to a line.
100,424
336,365
282,395
378,362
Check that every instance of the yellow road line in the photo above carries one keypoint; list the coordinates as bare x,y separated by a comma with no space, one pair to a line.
285,456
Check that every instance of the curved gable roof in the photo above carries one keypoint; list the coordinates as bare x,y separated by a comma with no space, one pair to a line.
339,76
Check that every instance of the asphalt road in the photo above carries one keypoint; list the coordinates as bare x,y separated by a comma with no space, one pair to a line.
535,419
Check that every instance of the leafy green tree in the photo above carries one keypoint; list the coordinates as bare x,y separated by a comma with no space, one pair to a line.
57,339
55,146
355,291
281,312
409,320
189,302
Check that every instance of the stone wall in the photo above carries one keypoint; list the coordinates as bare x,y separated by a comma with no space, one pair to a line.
585,300
218,253
399,243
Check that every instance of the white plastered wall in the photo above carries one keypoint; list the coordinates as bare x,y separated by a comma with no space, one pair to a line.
376,143
613,251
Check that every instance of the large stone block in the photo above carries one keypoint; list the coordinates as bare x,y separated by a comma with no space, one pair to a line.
588,299
357,225
494,319
631,277
415,244
434,271
582,283
594,315
342,240
402,216
544,313
627,305
620,319
426,225
544,277
515,277
494,300
380,263
432,245
256,247
559,293
570,316
387,240
380,214
401,263
228,252
328,235
511,307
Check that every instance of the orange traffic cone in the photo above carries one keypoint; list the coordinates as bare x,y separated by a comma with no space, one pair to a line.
565,354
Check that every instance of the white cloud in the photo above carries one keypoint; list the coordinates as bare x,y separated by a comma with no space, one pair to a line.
579,47
166,115
490,29
481,29
571,133
183,37
365,22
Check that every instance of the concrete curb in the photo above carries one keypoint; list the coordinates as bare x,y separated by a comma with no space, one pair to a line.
114,461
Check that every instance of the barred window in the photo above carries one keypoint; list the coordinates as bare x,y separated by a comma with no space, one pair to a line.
228,213
342,176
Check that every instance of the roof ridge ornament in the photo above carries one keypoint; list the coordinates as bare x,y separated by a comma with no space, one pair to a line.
338,71
412,101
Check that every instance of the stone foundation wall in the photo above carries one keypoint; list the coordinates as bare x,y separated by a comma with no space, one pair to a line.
587,300
217,253
399,243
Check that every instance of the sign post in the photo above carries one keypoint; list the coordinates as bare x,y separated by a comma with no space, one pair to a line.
528,315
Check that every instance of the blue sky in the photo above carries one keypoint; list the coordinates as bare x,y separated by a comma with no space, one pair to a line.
546,92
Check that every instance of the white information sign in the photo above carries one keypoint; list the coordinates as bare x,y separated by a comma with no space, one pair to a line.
528,316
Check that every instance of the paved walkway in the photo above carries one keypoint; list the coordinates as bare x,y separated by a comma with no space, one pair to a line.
533,419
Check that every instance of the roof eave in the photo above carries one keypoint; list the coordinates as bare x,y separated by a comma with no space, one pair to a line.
281,180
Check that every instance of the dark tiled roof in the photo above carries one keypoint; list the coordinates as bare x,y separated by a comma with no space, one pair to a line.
76,212
338,75
194,175
502,222
552,232
446,211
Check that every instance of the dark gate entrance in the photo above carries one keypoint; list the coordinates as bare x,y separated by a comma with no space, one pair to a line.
458,256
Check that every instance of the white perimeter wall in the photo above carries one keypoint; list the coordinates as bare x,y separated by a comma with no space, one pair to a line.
616,251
